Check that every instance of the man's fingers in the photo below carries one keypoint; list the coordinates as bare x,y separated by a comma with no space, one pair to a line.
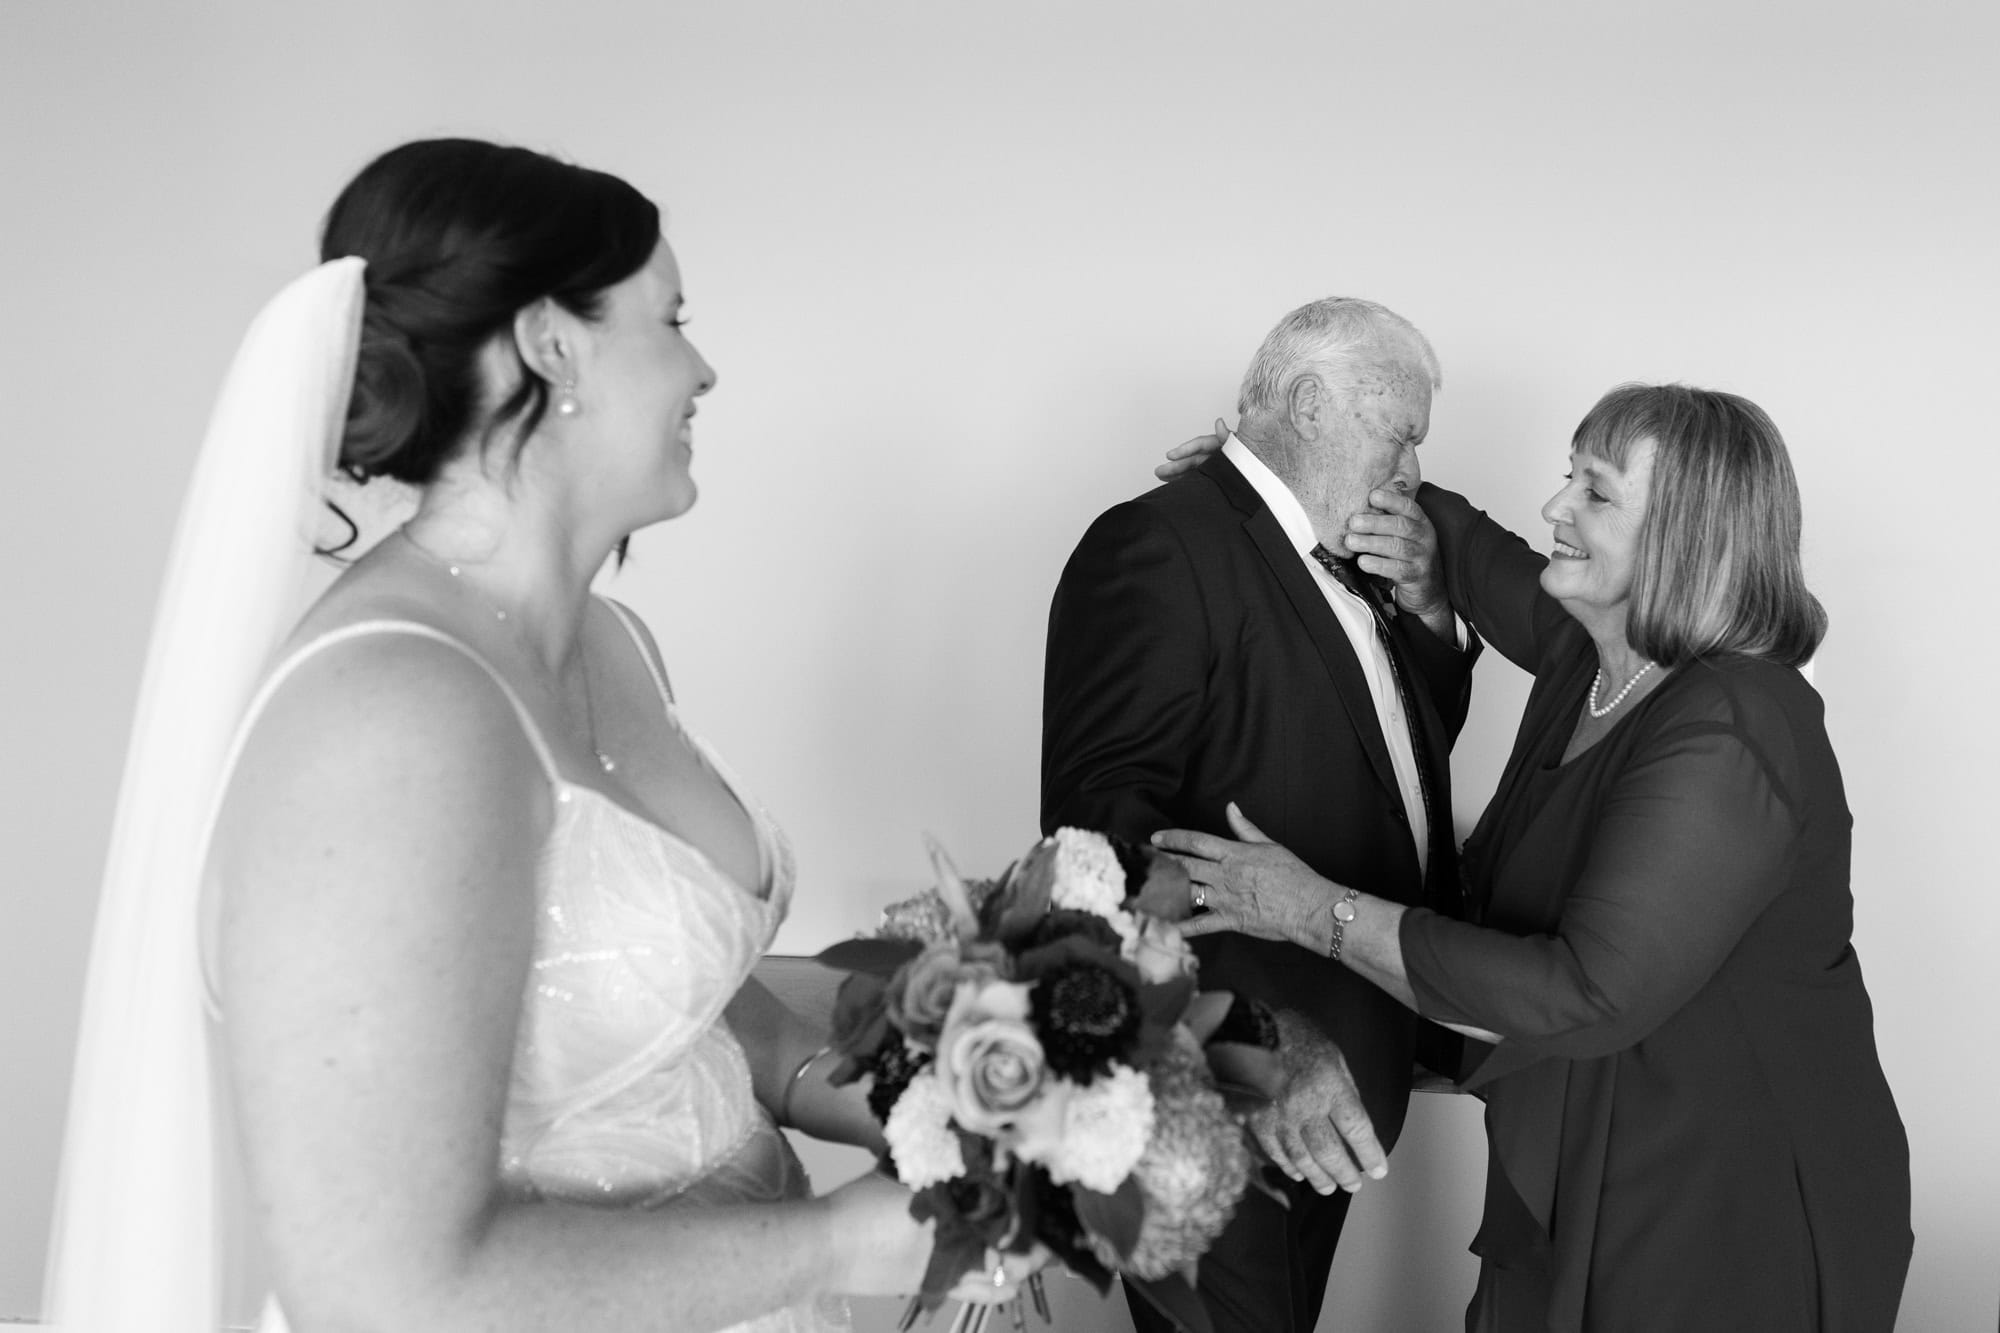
1330,1154
1354,1126
1310,1169
1263,1128
1349,1118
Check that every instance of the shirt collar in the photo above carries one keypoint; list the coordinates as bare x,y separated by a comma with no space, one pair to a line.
1277,496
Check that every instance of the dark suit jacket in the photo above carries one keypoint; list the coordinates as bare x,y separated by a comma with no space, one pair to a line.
1192,660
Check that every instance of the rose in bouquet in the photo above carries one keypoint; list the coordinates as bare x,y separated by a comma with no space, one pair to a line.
1047,1071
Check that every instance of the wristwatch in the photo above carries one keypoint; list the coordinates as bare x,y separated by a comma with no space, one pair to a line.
1343,915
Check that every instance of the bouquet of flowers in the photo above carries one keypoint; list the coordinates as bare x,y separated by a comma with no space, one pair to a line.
1047,1072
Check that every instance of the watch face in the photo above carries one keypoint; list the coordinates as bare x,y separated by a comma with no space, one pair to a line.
1343,911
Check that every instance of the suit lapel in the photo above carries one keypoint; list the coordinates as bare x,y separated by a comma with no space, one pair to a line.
1329,638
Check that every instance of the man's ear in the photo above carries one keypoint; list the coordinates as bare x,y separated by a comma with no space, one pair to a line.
1305,400
545,347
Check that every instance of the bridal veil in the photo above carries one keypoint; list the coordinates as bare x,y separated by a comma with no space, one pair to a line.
134,1245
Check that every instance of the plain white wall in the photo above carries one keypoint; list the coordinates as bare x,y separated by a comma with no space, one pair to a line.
965,272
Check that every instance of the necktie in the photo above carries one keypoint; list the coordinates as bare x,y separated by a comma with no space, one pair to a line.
1374,591
1378,592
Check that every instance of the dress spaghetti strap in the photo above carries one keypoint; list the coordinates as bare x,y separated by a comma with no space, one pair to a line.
312,648
653,668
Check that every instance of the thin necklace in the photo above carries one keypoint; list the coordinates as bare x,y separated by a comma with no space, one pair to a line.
1598,681
604,761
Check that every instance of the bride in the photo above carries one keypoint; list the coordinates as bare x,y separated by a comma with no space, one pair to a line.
479,910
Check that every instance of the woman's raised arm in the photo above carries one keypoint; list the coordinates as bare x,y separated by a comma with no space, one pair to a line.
1492,577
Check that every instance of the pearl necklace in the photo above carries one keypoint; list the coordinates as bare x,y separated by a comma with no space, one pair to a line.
604,761
1618,698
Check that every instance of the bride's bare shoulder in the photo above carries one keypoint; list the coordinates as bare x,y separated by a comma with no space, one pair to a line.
378,702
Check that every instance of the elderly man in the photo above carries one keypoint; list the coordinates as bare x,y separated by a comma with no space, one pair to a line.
1213,642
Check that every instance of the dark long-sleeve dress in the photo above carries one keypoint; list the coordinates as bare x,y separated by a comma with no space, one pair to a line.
1689,1125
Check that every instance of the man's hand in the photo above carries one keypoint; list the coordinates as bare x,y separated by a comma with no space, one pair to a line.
1395,539
1316,1130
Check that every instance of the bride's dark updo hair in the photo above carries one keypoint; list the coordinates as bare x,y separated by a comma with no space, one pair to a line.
459,235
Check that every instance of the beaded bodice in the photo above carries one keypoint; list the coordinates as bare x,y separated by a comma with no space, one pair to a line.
627,1086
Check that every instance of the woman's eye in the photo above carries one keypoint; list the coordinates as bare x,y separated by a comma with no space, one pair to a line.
680,321
1595,498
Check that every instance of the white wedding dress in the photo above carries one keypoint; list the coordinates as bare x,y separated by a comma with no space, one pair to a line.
628,1088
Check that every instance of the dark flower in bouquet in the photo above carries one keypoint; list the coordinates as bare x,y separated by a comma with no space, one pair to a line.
1047,1072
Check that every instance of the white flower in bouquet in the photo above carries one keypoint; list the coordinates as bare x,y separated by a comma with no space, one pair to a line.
1087,876
922,1142
1195,1168
1105,1130
1159,951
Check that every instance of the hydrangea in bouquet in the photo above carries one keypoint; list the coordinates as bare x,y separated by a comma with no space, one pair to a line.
1047,1072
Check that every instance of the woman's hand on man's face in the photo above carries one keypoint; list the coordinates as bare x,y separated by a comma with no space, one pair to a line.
1394,538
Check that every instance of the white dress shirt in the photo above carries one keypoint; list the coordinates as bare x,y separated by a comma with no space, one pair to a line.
1359,622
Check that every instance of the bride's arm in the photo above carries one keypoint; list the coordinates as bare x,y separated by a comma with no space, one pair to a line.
789,1064
378,915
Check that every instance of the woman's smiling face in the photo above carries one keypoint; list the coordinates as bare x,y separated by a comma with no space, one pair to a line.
1597,515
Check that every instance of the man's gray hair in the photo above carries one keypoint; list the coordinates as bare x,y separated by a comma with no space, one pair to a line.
1328,338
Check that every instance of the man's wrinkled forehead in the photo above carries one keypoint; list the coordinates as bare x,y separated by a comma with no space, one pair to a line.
1386,365
1393,389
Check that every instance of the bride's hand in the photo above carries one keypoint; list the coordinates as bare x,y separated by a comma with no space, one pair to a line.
883,1251
1012,1270
880,1249
1185,457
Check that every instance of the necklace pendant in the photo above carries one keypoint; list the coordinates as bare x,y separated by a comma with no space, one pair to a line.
606,762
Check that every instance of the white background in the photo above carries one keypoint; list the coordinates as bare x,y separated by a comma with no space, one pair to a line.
965,271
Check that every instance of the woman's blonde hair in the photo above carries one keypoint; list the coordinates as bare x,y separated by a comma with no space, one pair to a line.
1717,570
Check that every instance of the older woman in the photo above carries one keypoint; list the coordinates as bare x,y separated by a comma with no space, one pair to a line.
1689,1125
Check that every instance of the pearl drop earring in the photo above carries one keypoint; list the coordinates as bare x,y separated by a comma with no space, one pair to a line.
566,404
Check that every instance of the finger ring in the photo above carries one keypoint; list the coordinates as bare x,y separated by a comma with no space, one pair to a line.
1200,896
1000,1277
